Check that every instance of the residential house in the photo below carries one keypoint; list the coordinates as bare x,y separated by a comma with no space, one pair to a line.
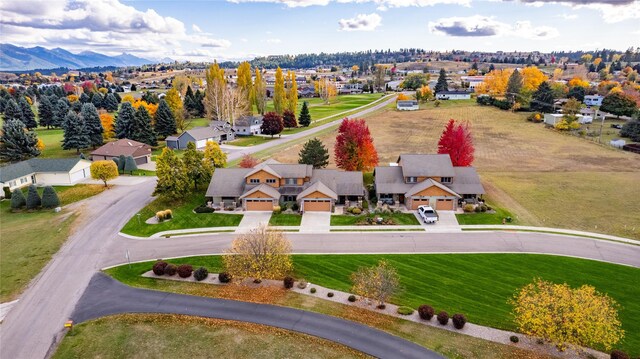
218,131
453,95
141,152
45,171
552,119
407,105
248,125
472,81
394,85
270,183
348,89
306,91
427,179
593,100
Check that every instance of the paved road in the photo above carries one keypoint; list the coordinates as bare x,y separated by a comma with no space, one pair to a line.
29,328
253,149
381,242
105,296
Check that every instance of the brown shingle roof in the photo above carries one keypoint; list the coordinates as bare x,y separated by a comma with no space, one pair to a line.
124,147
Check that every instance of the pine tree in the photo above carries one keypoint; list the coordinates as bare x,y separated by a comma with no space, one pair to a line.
84,98
93,124
110,103
62,107
442,85
190,104
46,112
491,67
129,165
17,199
125,120
173,182
28,117
514,85
122,160
142,130
16,143
33,198
200,103
50,198
165,122
97,100
543,99
76,135
305,118
314,153
289,119
12,111
278,92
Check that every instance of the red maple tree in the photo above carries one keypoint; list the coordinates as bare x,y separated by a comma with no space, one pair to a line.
354,149
272,124
289,119
456,141
248,161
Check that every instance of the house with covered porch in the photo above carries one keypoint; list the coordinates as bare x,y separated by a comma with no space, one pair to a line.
271,183
427,179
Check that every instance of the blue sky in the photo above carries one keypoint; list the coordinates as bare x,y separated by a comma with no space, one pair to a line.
237,29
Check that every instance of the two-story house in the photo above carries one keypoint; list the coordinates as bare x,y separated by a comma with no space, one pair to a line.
427,179
270,183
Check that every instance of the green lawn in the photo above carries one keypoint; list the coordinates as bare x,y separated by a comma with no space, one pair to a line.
284,219
350,220
318,109
250,140
486,218
167,336
477,285
183,217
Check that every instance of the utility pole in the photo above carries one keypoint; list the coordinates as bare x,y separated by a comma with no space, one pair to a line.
601,124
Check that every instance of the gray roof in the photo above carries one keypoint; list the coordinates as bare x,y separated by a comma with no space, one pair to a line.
420,186
244,121
320,187
390,180
407,103
201,133
20,169
422,165
291,170
264,188
466,181
343,183
227,182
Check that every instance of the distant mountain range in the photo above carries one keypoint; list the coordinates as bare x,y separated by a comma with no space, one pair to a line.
16,58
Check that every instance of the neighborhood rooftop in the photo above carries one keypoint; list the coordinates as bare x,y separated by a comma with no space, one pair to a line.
21,169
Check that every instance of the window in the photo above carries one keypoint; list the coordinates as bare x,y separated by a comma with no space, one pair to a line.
23,180
293,181
445,179
271,180
412,179
254,180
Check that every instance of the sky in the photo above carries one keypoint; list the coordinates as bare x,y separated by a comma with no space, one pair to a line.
205,30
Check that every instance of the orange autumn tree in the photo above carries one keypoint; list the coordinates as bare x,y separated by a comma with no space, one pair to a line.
578,82
150,107
354,149
402,97
107,124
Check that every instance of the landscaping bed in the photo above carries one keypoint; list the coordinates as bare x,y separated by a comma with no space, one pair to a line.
371,219
494,216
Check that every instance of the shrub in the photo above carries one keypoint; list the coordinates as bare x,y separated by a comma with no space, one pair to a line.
204,209
17,199
200,274
514,339
365,204
540,341
224,277
483,208
352,298
33,198
405,310
158,267
459,321
381,306
170,269
302,284
619,354
168,214
185,270
330,294
426,312
7,192
288,282
437,103
443,318
295,206
356,211
478,209
312,290
508,219
277,209
160,216
468,208
50,198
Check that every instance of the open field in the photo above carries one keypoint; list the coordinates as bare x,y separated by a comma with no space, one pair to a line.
157,336
477,285
318,109
183,216
509,146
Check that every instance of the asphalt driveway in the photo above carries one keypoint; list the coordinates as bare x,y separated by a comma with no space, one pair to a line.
106,296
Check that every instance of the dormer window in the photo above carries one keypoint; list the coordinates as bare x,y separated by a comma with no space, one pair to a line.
271,180
446,179
412,179
254,180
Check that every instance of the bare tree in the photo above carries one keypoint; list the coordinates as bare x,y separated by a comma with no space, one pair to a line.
378,283
235,103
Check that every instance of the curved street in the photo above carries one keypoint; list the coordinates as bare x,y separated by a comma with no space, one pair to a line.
106,296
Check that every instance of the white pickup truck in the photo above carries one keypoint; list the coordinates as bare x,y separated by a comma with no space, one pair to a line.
428,214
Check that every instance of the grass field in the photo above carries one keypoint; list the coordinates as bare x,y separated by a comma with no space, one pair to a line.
29,239
284,219
166,336
477,285
398,218
541,176
318,109
245,141
183,216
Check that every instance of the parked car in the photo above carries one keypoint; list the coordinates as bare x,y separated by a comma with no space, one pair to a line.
388,201
428,214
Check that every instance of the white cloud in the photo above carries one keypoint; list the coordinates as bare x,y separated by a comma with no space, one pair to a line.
382,4
362,22
612,11
196,28
482,26
273,41
568,16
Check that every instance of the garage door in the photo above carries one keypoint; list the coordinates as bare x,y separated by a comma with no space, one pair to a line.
416,202
78,175
317,205
141,160
444,204
259,204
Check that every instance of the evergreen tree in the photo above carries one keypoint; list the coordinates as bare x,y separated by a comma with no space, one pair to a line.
122,161
84,98
33,198
305,118
12,111
28,117
314,153
195,166
17,199
61,110
543,99
16,143
50,198
117,161
491,67
125,121
97,100
129,165
142,130
190,103
110,103
93,125
46,112
442,85
601,66
200,103
75,133
577,92
165,122
76,106
173,182
514,85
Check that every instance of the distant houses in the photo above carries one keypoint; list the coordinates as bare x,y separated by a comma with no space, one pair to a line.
593,100
453,95
407,105
217,131
248,125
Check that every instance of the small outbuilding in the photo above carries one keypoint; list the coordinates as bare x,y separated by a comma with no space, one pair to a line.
407,105
453,95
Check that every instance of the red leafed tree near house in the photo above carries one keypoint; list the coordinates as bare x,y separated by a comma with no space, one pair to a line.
248,161
354,149
456,141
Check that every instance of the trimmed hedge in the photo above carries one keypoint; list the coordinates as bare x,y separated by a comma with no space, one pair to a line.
185,270
459,321
426,312
50,198
443,318
405,310
288,282
170,269
204,209
159,266
224,277
17,199
33,198
201,274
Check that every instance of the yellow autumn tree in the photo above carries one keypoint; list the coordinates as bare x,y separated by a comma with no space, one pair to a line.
292,92
577,81
402,97
567,316
425,93
72,98
174,101
180,83
597,61
129,99
532,77
279,95
40,145
150,107
104,170
107,124
495,83
245,85
326,89
377,283
259,254
214,155
586,58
